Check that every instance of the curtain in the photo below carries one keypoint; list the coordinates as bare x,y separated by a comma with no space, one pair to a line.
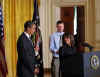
16,12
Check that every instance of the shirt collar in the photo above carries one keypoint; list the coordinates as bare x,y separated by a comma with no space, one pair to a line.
60,33
27,34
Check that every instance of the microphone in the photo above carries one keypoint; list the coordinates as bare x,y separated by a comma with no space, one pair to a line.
84,44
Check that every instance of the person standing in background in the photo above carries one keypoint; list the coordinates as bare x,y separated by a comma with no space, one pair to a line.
55,44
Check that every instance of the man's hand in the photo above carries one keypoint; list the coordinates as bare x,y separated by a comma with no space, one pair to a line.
36,71
57,52
36,48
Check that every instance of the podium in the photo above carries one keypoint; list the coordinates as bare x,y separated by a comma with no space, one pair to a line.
84,64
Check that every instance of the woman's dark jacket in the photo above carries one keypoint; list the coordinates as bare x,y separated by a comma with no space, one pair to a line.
65,53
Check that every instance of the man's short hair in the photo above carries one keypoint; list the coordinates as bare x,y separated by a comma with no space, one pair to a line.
59,22
28,24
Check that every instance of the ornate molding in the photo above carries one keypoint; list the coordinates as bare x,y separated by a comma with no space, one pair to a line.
97,41
98,22
70,1
62,3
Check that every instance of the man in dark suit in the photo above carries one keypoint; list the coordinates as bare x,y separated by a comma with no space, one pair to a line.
26,65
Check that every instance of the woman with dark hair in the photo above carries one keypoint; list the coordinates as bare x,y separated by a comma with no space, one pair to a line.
65,52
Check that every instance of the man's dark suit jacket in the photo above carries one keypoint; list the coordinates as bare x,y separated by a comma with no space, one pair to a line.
26,57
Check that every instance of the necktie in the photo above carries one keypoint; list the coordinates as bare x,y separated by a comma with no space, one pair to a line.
60,41
30,40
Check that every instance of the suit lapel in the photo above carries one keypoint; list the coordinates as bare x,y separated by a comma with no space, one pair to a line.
28,40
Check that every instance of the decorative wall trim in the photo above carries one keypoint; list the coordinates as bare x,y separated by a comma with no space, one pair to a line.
98,22
69,1
97,41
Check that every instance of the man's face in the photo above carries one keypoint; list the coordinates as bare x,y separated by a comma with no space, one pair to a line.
60,27
32,29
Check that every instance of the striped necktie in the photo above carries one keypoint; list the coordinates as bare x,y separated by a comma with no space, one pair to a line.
60,41
31,41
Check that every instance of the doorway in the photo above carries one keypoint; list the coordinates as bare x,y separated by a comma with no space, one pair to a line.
74,21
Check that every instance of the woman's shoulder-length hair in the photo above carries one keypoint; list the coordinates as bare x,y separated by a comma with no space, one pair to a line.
68,35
